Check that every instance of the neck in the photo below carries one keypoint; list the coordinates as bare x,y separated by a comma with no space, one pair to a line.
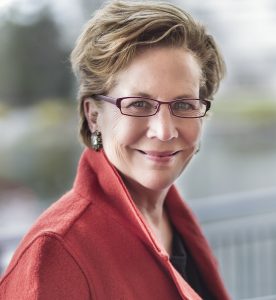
151,205
149,202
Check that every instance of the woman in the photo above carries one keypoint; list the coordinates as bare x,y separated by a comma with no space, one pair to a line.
146,70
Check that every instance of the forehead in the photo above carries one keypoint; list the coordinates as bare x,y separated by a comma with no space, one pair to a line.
159,71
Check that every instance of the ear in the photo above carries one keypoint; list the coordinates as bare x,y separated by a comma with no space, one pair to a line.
91,111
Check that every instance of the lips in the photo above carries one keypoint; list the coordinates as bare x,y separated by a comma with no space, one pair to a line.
159,153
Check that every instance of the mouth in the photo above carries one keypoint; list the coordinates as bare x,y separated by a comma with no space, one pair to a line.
159,154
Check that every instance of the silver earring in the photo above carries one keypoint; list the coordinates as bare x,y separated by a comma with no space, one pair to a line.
96,140
198,148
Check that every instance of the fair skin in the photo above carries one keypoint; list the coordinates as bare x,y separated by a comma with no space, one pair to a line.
151,152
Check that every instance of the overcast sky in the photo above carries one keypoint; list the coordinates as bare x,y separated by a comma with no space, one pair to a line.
250,23
245,29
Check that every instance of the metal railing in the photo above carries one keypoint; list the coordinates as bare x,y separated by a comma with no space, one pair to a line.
8,243
270,297
241,230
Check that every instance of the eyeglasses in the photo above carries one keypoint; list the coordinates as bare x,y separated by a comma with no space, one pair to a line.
145,107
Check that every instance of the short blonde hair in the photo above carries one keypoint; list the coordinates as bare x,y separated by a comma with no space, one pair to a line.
114,35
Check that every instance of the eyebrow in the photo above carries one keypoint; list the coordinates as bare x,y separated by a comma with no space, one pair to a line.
183,96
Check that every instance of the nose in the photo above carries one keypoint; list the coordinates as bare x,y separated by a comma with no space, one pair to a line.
162,125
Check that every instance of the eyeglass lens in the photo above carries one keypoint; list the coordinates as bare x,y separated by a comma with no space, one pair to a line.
184,108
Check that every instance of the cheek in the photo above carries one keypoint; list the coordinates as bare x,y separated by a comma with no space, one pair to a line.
119,130
192,132
131,130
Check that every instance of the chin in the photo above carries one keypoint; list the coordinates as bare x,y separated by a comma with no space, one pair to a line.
157,184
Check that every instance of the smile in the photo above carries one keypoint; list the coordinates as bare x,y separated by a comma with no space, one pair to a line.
159,156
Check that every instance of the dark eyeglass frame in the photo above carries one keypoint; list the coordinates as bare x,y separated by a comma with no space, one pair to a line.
117,102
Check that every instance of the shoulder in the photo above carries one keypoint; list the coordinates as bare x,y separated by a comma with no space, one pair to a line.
45,269
49,246
59,218
58,221
63,214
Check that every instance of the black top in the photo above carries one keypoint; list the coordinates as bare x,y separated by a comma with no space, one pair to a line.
184,264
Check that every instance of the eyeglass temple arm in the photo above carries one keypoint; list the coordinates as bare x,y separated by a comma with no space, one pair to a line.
105,98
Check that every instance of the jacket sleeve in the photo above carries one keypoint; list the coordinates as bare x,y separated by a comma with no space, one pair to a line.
44,270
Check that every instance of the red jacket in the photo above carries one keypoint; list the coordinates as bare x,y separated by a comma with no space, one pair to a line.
94,244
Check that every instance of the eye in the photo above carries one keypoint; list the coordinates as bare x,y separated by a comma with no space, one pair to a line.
183,105
137,106
138,103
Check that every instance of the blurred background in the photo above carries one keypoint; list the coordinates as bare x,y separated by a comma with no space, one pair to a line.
231,184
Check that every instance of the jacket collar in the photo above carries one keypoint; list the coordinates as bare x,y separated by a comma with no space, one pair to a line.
98,180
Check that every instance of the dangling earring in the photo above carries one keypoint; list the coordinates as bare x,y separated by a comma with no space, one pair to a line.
198,148
96,140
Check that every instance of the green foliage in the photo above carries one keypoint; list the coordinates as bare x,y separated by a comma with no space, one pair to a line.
259,109
4,110
43,155
34,66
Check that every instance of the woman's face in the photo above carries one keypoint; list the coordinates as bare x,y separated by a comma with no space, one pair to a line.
151,152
